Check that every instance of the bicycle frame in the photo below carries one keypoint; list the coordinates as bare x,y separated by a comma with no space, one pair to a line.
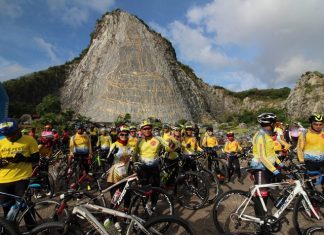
297,190
84,212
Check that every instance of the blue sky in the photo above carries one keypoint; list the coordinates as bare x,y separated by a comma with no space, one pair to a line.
232,43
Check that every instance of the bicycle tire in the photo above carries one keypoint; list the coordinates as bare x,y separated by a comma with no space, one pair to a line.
220,169
317,230
53,228
302,220
186,185
230,201
141,206
170,224
41,212
8,228
212,184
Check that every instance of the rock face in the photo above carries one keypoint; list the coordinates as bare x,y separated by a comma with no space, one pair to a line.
307,97
129,68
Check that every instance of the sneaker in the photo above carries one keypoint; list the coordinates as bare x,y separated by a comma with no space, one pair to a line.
118,227
38,196
49,194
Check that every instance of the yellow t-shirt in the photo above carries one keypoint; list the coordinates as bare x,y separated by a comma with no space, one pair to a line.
232,146
148,150
263,152
193,145
166,136
209,141
311,146
26,145
132,141
104,141
80,144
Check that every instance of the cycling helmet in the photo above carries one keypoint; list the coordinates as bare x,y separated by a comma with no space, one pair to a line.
79,126
8,126
267,118
122,129
48,126
316,118
145,123
132,128
177,128
166,126
188,126
230,134
209,128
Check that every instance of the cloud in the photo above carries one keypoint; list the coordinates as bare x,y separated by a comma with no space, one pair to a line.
274,41
48,48
295,66
194,46
10,9
9,69
76,12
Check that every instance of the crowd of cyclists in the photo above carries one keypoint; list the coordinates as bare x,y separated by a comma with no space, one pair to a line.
124,145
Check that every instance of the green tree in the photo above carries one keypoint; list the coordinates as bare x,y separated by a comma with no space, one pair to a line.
49,104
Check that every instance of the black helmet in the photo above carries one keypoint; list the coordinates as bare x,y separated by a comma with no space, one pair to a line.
79,126
267,118
316,118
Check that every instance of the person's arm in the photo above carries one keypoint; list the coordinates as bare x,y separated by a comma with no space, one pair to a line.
204,142
300,147
239,148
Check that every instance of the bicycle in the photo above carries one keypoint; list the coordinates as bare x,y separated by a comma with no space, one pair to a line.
315,230
33,212
217,164
82,214
189,188
8,228
240,215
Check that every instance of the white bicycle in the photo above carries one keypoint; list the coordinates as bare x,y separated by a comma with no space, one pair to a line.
234,211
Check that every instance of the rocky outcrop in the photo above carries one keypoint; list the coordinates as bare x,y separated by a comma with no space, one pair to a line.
129,68
307,97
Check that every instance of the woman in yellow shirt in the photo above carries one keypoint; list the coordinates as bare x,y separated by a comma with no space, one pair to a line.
232,148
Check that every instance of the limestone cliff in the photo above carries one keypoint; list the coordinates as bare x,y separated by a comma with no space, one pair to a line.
307,97
129,68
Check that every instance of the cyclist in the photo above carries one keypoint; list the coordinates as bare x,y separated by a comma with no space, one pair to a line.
104,142
132,140
280,147
166,132
113,134
93,132
310,147
46,141
210,143
264,158
232,148
147,151
189,147
120,152
17,154
80,148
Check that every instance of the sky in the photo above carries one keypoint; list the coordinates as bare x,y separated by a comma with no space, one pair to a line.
237,44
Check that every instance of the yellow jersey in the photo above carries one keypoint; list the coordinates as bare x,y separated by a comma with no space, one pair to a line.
209,141
310,146
12,172
132,141
232,147
80,144
192,141
104,141
264,156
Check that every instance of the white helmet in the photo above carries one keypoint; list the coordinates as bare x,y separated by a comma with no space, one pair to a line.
267,118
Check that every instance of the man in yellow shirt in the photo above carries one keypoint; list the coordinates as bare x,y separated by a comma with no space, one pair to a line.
104,143
265,158
310,147
147,151
210,143
132,140
166,132
17,153
80,148
190,146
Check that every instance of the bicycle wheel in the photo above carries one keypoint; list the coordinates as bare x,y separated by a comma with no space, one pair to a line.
225,213
315,230
7,227
191,190
168,225
212,184
219,168
304,218
143,207
53,228
40,212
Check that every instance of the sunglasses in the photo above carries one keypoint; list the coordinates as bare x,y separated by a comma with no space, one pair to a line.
123,134
147,129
